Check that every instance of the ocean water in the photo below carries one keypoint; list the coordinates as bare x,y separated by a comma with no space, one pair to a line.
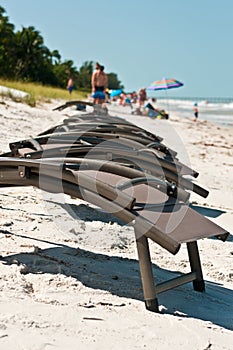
216,110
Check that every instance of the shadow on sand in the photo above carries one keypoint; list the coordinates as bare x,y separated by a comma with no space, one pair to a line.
121,276
209,212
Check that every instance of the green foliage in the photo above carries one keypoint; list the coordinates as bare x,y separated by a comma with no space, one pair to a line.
84,77
63,70
6,45
113,82
24,57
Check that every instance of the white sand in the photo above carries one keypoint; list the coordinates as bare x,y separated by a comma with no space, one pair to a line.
73,282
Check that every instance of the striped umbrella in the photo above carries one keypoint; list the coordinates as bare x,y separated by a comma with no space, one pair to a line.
165,84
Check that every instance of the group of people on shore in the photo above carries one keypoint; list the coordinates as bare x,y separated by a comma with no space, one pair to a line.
99,89
99,86
100,92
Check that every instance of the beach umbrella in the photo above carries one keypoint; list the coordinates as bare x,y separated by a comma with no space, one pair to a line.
164,84
114,93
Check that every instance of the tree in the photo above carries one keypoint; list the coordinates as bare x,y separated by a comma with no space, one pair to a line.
63,70
23,56
6,45
85,73
33,57
113,82
55,57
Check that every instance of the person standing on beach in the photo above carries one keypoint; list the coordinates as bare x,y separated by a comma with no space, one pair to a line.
142,97
195,111
99,83
70,85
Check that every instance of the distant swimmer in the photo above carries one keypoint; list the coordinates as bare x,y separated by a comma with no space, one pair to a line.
195,111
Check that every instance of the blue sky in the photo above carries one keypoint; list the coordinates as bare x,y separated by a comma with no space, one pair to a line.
140,40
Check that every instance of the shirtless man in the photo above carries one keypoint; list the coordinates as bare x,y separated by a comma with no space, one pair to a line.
99,83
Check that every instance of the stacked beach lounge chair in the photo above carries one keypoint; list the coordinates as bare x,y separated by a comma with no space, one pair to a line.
126,171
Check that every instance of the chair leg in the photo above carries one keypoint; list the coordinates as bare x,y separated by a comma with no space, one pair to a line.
145,264
195,263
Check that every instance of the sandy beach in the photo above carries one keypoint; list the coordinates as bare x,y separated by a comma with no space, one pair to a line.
73,282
